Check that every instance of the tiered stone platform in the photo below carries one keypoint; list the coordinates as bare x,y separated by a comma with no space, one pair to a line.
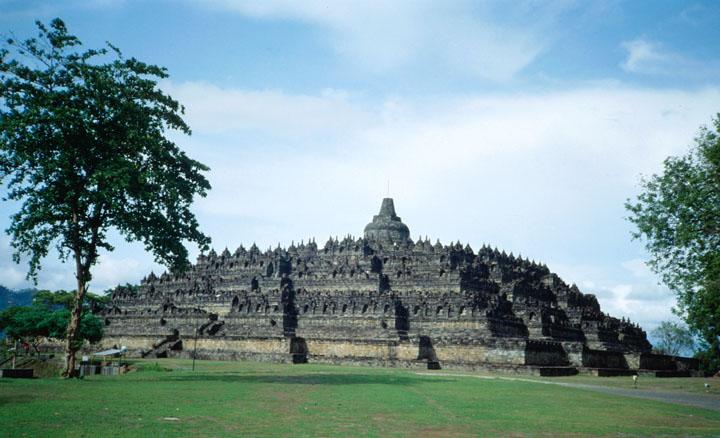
383,300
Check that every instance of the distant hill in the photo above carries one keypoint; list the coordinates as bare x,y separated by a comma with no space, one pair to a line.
10,297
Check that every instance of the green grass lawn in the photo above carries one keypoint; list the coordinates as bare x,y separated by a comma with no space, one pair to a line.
222,398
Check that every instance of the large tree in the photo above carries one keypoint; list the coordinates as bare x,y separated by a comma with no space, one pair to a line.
678,216
83,149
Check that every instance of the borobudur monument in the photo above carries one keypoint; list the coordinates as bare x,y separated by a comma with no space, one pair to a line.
382,299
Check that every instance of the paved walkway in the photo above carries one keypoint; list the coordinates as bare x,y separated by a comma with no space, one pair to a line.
682,398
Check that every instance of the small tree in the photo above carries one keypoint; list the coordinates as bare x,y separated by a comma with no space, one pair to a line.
66,299
83,147
60,298
678,215
673,338
126,289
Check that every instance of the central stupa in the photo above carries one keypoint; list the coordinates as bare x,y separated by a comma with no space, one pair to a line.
387,225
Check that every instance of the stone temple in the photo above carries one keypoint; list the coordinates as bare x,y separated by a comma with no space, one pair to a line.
382,299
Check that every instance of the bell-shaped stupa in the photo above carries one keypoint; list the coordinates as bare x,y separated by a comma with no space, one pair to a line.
386,225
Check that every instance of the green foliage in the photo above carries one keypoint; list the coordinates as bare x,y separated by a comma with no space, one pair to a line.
66,299
83,148
673,338
709,360
59,298
96,302
31,322
41,321
7,317
91,328
678,215
126,289
49,315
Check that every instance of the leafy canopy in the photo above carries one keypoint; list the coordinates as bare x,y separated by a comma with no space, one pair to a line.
678,216
83,149
41,321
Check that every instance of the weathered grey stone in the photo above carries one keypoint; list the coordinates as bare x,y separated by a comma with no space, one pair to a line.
378,300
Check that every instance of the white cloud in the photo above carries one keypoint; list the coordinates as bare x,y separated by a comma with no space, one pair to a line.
647,57
111,271
214,110
532,147
52,275
651,58
12,277
638,268
382,35
11,273
620,293
628,289
642,301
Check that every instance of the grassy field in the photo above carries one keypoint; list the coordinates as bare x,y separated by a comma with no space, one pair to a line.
164,397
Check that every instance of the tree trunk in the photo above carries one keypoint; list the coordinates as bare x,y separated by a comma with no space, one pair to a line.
71,339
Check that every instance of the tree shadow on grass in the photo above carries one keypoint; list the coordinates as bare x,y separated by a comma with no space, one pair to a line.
302,379
16,398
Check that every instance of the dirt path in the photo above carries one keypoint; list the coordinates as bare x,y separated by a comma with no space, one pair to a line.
682,398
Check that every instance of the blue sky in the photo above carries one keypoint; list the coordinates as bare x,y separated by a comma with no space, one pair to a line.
524,125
